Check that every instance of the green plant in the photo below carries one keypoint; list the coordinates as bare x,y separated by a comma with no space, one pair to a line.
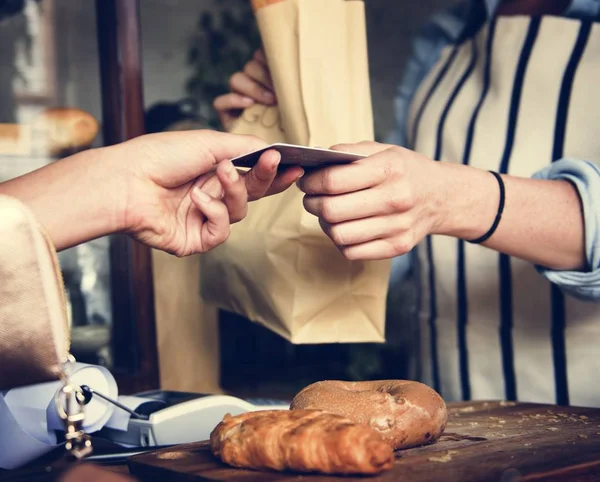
226,39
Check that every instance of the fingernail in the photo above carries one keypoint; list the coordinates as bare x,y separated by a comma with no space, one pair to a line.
232,173
275,165
202,197
247,101
268,96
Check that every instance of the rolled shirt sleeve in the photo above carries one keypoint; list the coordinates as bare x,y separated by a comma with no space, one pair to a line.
585,176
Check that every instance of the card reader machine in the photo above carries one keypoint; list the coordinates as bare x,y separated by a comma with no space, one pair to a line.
168,417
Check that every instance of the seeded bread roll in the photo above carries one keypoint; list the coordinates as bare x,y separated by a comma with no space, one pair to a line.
406,413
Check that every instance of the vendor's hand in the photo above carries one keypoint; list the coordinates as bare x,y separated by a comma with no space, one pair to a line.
183,192
377,207
251,86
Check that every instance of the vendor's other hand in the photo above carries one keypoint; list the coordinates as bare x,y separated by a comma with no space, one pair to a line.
182,191
378,207
252,85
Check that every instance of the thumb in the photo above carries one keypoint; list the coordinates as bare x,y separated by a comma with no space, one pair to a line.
365,148
173,158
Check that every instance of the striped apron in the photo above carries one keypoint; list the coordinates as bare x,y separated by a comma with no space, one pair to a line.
519,94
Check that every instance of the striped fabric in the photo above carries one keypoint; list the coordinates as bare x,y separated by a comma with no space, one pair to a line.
519,94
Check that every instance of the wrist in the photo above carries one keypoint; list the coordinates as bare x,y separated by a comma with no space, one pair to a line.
101,192
468,200
118,196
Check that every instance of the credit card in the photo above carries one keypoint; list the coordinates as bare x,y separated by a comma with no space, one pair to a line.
291,155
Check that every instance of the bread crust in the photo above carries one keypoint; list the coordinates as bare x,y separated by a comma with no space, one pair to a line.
406,413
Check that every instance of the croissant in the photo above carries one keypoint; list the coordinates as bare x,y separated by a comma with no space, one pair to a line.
300,441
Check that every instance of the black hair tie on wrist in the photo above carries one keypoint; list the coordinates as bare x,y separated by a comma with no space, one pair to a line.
492,230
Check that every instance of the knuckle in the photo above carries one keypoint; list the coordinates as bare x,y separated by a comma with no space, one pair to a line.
396,150
349,253
395,202
395,159
337,235
218,238
304,185
306,202
410,198
259,176
242,213
179,253
249,68
403,200
366,143
257,90
329,181
235,80
225,235
386,168
402,244
328,211
344,147
251,138
237,216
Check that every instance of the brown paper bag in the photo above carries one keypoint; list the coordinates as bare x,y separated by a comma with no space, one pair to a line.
278,268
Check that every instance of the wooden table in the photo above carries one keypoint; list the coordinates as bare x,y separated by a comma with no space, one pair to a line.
484,441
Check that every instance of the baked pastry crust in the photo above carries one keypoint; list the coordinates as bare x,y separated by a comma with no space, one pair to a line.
300,441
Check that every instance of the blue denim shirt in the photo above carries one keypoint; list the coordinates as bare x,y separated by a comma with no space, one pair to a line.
446,28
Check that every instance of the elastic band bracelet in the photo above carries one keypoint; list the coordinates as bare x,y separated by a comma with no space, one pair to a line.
492,230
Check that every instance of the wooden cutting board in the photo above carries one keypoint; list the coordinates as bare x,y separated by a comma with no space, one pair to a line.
484,441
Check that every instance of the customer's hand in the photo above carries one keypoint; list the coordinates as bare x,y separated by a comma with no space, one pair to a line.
183,191
175,191
252,85
377,207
